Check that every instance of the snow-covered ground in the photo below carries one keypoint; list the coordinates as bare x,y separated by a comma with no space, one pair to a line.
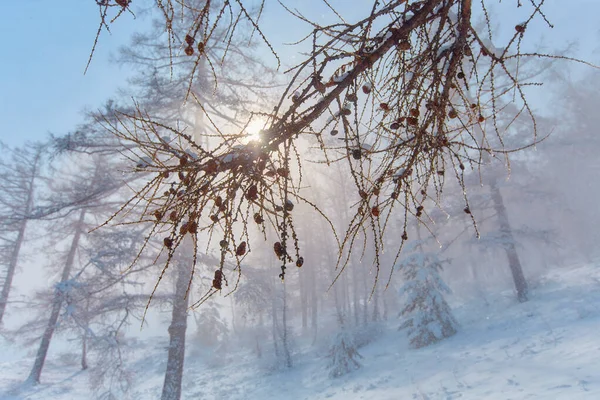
547,348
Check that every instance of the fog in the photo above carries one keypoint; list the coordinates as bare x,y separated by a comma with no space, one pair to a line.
286,282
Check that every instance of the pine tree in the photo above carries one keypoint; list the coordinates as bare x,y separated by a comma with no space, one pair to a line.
17,179
84,195
61,292
211,329
428,316
343,356
177,330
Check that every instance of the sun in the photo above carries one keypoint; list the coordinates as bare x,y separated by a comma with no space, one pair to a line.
253,129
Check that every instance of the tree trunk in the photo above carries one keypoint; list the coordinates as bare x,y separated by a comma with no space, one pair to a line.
375,316
384,298
274,329
285,339
233,316
314,307
345,294
509,244
258,338
14,257
176,353
177,330
303,301
12,266
40,359
365,298
84,364
355,298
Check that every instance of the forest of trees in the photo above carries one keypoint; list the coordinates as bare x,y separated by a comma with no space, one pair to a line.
251,209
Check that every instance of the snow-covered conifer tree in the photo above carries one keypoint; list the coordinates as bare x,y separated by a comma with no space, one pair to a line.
211,329
343,355
429,318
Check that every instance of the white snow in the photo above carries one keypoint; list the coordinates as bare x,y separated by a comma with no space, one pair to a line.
444,49
547,348
144,162
496,51
192,154
340,78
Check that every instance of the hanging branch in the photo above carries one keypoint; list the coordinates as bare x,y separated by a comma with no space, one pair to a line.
413,87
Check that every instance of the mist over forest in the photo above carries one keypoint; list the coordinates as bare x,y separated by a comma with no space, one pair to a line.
309,200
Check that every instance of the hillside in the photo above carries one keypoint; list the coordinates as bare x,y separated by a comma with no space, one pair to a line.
547,348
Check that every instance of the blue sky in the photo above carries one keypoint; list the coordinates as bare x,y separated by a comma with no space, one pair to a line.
45,47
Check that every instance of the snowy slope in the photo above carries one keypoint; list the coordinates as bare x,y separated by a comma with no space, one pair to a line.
548,348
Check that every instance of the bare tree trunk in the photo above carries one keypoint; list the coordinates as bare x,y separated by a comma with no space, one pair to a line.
355,295
14,257
176,353
303,301
366,298
12,266
385,305
307,274
375,316
341,318
345,293
233,320
40,359
314,307
84,364
177,330
285,339
509,244
258,338
274,326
